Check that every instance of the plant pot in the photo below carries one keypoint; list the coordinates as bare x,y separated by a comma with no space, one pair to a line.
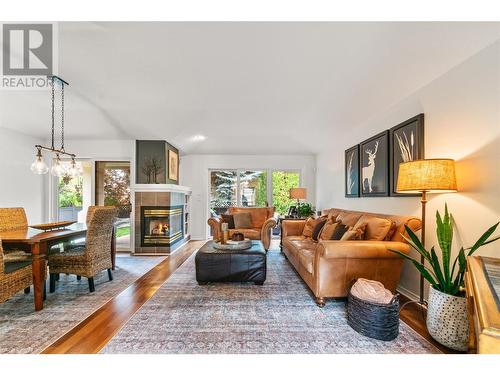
447,320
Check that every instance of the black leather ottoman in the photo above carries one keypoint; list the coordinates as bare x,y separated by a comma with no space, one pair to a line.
231,265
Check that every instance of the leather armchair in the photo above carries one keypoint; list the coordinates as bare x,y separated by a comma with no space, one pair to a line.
262,219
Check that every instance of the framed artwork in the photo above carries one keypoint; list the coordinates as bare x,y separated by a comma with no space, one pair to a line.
352,172
406,144
150,162
373,164
173,164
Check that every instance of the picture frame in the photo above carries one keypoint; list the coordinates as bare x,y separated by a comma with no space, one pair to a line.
351,172
173,164
292,211
374,166
406,144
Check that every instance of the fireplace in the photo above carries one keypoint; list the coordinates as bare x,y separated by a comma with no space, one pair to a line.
161,226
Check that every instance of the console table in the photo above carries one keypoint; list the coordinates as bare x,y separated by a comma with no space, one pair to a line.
482,283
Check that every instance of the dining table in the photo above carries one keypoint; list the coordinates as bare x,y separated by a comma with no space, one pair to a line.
38,242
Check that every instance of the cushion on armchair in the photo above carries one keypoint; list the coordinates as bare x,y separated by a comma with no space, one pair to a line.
242,220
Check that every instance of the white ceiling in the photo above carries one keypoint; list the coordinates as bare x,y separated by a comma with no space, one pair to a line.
248,87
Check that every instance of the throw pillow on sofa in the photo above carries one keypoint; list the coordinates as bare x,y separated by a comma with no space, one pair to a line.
320,223
377,228
353,235
339,231
391,231
348,218
243,220
308,227
328,229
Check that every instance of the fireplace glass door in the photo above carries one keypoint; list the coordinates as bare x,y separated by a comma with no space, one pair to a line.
162,226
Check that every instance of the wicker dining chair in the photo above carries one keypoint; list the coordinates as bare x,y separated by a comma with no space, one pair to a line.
14,219
14,277
69,245
94,257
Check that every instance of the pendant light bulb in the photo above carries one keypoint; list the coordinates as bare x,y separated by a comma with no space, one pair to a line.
39,166
57,169
73,169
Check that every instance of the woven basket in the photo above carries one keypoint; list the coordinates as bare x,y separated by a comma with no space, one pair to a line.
375,320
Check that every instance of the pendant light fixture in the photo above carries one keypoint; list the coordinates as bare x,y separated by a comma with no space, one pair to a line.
39,166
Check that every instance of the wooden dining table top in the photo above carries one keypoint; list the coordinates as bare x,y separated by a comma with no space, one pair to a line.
31,235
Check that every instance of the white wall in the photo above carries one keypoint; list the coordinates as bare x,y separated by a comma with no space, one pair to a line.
194,173
19,187
462,121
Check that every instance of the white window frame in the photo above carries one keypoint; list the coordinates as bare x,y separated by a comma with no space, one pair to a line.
269,183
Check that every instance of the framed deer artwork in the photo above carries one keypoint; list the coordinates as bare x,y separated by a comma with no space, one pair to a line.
406,144
373,164
352,172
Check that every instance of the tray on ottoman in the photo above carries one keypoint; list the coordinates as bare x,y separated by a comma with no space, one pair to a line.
247,265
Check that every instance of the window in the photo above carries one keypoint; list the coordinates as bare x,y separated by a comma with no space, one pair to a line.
251,188
223,186
282,182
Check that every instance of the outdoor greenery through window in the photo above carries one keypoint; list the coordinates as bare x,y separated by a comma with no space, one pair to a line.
282,182
250,188
223,186
253,188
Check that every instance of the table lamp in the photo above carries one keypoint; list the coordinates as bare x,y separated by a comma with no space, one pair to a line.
426,176
298,193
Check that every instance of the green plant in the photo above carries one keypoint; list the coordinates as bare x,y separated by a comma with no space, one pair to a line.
305,210
442,278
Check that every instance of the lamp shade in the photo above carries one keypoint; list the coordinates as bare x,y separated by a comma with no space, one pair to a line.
431,175
298,193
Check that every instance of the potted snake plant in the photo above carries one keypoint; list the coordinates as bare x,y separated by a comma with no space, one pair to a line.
447,311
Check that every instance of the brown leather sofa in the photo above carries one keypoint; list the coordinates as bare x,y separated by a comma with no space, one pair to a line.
262,222
330,267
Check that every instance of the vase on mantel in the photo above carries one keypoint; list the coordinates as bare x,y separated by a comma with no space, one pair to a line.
447,321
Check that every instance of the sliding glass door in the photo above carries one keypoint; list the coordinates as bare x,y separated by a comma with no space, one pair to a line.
251,188
112,188
223,191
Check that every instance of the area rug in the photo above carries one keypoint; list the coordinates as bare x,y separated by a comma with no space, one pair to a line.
278,317
22,330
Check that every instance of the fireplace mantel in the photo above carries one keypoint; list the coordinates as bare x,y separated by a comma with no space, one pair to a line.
160,188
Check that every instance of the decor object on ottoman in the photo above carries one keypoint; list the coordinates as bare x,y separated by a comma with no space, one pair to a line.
233,245
447,314
262,219
378,320
237,236
214,265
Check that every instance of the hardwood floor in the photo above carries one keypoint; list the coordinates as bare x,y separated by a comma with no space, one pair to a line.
413,315
93,333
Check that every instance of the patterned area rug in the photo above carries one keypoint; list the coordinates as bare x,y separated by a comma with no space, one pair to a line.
279,317
22,330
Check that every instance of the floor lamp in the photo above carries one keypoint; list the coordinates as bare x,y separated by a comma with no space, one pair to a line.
426,176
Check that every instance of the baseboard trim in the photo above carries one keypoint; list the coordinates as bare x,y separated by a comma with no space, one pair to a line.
408,293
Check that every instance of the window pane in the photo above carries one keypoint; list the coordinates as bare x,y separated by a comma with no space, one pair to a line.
253,188
222,191
70,193
282,183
